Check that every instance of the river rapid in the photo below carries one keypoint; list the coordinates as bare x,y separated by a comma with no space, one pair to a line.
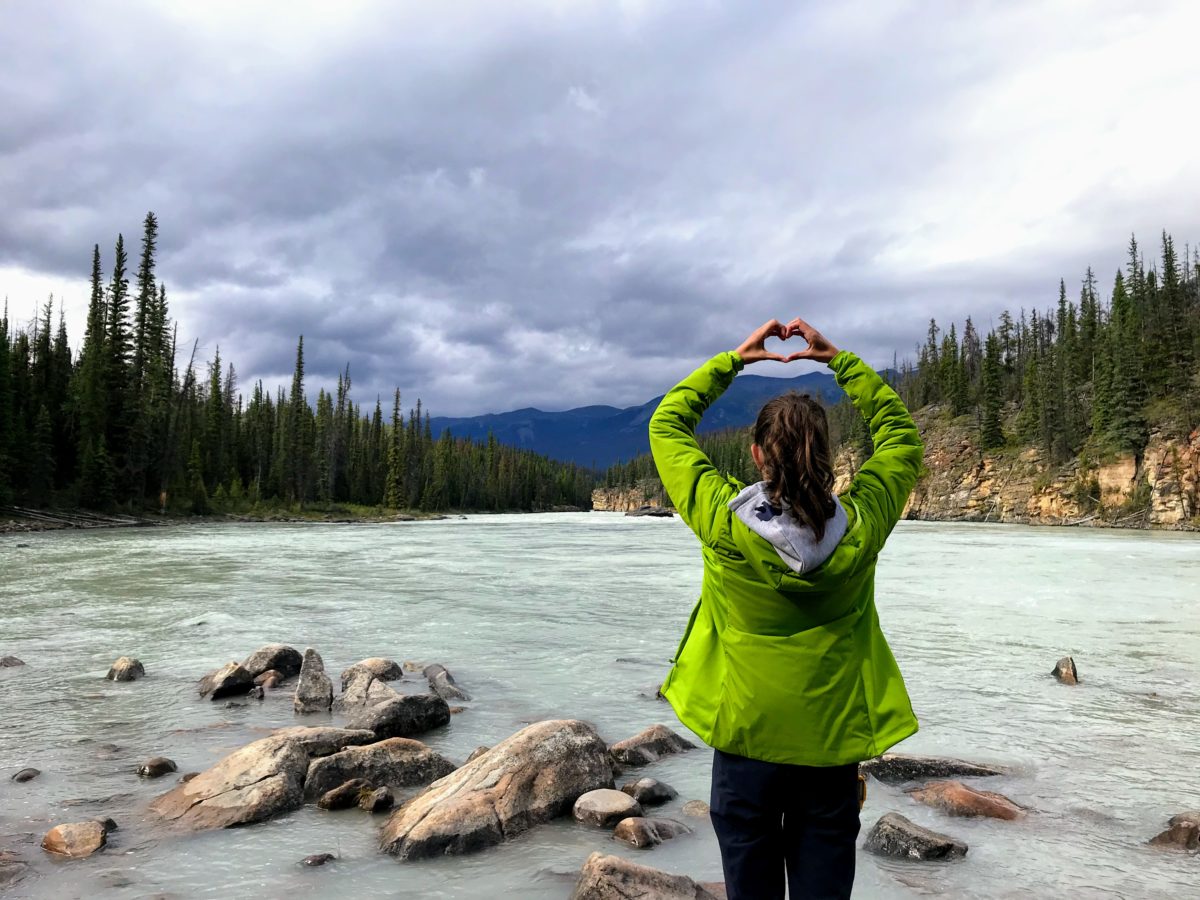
576,615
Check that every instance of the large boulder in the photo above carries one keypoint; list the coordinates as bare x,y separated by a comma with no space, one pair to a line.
258,781
377,667
76,840
900,768
228,681
531,777
403,716
1064,670
442,683
1183,832
280,657
613,878
894,835
314,690
605,808
395,762
126,669
957,799
650,745
643,832
650,791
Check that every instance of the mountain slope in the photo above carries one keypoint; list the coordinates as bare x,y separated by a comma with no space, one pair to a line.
603,435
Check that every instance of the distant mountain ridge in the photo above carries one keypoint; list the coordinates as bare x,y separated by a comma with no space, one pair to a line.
602,435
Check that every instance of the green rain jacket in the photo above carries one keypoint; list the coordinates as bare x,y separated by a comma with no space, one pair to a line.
775,665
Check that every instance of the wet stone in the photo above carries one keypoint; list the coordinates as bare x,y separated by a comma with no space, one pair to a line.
1064,670
156,767
650,791
26,775
696,808
317,859
894,835
346,795
378,800
605,807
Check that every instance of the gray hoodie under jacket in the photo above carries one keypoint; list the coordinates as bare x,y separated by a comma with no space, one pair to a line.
795,543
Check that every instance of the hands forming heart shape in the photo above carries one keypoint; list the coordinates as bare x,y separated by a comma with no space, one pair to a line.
819,348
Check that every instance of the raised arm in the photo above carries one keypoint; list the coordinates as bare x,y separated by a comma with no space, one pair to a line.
881,487
700,493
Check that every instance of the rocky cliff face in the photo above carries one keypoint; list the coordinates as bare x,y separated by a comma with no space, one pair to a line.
1160,488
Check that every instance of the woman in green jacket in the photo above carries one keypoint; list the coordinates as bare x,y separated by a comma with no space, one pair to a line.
783,668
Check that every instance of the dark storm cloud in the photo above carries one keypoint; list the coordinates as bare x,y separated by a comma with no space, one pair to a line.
501,205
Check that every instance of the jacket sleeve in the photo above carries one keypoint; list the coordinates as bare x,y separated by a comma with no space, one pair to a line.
700,493
881,487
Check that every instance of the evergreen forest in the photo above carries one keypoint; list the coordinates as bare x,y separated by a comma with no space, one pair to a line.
120,427
1091,376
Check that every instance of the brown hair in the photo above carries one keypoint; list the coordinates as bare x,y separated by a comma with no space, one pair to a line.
793,434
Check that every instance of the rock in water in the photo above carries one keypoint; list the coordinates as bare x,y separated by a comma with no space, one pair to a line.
957,799
899,768
605,807
228,681
345,795
377,666
395,762
363,690
274,676
652,511
650,791
314,691
639,832
317,859
378,800
478,752
696,808
9,662
650,745
12,869
442,683
26,775
126,669
614,878
1065,671
258,781
1183,832
894,835
402,717
156,767
532,777
283,659
76,840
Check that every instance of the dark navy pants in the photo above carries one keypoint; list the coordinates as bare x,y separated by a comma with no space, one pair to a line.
771,818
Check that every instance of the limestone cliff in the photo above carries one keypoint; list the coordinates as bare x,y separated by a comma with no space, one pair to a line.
1159,488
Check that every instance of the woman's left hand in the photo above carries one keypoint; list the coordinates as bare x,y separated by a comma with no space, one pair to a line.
752,349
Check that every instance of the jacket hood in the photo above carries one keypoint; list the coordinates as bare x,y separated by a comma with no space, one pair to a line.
796,544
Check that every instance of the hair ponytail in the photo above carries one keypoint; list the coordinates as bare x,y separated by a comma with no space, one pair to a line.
793,433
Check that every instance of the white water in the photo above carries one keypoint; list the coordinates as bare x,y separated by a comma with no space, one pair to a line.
575,615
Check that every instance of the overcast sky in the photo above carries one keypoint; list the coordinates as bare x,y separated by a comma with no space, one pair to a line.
495,205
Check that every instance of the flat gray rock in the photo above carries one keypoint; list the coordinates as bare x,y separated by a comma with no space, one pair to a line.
314,690
900,768
894,835
649,746
605,807
395,762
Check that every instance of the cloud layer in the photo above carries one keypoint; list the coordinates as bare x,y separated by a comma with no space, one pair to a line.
552,204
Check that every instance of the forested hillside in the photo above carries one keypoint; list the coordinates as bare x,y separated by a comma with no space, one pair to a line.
1069,389
120,426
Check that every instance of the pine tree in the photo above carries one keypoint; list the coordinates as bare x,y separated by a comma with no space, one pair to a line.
118,346
992,435
145,339
1126,419
396,494
6,413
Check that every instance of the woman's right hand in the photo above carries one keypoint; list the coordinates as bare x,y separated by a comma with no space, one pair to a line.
819,348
